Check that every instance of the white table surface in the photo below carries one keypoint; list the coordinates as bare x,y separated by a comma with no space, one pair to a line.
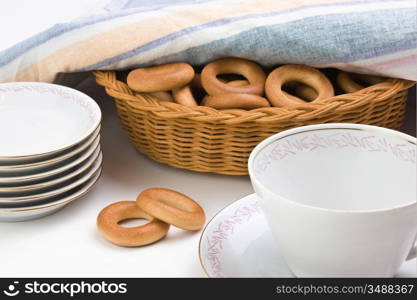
67,244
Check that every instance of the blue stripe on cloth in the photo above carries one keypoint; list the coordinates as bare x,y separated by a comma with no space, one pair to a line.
10,54
314,29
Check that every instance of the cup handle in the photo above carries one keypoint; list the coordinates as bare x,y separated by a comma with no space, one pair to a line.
413,252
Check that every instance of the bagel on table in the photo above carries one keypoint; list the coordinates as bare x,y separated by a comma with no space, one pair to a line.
172,207
160,206
108,224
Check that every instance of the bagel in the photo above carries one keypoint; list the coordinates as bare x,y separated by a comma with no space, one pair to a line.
162,96
184,96
108,225
250,70
196,82
230,101
236,83
348,81
300,92
296,73
160,78
305,92
172,207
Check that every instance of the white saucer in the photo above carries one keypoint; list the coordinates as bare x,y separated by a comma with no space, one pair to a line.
237,242
52,173
33,166
65,176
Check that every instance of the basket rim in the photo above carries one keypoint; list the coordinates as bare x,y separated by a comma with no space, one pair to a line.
340,103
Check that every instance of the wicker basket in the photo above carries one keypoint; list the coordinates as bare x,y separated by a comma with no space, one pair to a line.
208,140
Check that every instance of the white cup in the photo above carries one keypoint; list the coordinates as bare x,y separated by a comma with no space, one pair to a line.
339,198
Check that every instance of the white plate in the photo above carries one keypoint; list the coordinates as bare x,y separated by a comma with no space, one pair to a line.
54,191
39,211
63,177
7,168
53,173
41,118
32,170
33,160
237,242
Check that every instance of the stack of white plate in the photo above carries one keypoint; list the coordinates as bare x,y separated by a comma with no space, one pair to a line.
49,148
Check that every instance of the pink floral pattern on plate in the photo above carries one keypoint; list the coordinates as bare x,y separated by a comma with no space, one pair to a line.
61,91
224,230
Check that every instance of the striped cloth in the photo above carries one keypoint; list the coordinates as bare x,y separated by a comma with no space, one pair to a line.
365,36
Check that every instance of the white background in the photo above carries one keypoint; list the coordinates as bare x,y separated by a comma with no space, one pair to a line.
21,19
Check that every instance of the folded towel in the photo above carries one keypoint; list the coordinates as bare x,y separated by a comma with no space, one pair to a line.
364,36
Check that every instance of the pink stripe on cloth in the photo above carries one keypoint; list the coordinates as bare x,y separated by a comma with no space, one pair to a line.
397,66
394,63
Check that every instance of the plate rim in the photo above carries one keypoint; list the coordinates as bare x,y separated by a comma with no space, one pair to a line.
95,178
88,141
64,189
88,163
52,172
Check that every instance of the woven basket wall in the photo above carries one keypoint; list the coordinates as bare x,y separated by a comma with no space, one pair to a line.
208,140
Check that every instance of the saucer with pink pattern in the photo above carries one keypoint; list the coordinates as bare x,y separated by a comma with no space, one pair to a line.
237,242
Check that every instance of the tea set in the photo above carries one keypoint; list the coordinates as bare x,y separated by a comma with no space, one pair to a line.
331,200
